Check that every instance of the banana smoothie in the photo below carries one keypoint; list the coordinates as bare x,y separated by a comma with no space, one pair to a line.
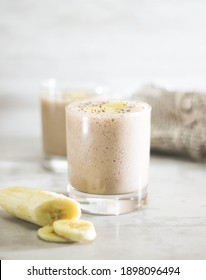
53,121
53,102
108,149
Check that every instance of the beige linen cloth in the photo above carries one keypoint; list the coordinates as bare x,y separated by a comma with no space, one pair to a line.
178,121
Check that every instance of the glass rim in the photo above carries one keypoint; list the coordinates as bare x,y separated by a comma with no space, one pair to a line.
59,87
146,107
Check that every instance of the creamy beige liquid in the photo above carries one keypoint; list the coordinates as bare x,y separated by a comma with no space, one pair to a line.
108,146
53,121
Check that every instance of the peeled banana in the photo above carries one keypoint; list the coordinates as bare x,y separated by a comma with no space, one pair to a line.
47,233
75,230
38,206
58,214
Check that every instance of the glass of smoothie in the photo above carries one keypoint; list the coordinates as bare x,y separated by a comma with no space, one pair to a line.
108,151
53,102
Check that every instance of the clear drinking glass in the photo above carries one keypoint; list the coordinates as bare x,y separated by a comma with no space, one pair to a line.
54,97
108,151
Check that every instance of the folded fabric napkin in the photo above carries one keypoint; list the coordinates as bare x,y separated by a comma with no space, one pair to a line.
178,121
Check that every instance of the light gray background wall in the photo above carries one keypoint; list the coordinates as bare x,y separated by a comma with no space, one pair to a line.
106,40
123,43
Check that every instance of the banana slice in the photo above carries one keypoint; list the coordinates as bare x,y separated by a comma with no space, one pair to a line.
76,230
115,106
47,233
38,206
76,95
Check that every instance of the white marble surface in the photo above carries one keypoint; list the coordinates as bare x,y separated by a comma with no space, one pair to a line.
123,43
172,226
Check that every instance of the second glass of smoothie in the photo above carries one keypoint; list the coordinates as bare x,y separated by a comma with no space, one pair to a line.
108,150
53,102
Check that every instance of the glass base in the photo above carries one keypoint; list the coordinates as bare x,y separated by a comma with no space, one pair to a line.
55,163
108,204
